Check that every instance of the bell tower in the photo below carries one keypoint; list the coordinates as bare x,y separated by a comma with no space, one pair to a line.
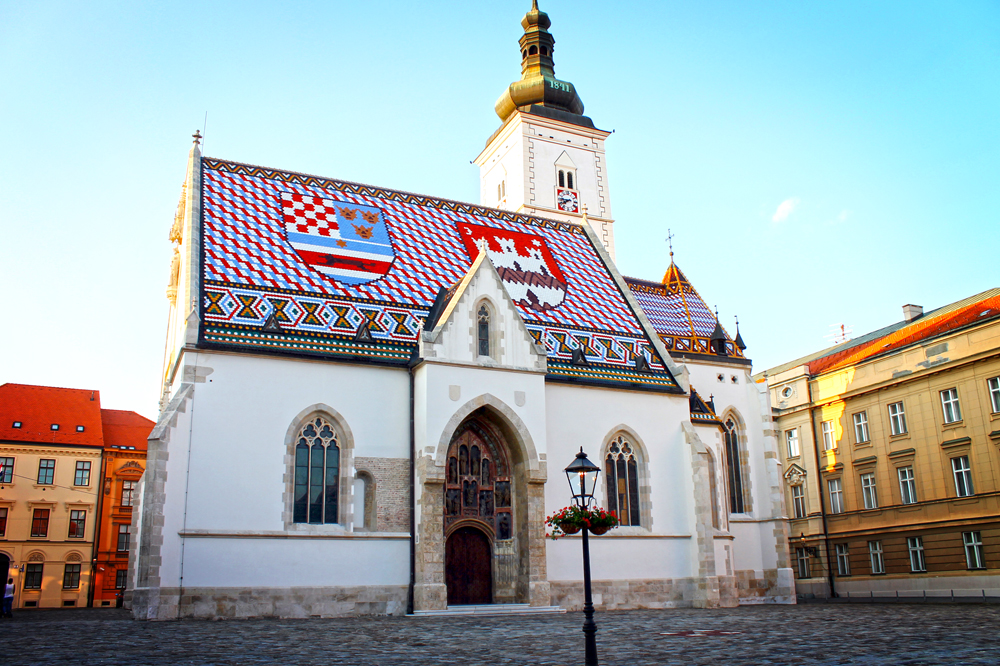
547,158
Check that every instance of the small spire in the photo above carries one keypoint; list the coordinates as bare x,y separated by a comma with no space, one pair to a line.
534,5
738,342
670,242
197,137
717,342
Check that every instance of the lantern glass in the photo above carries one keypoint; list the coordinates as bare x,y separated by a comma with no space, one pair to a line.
582,477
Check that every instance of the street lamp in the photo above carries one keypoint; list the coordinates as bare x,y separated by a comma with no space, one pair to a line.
582,477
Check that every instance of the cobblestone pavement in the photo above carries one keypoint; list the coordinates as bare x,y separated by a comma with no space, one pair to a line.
910,634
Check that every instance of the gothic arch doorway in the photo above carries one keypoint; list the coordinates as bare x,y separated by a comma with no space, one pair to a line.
468,567
478,516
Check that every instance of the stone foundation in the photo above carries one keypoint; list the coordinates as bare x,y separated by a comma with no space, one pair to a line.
244,602
769,586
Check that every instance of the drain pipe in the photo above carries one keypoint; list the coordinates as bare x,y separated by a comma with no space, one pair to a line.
822,501
414,361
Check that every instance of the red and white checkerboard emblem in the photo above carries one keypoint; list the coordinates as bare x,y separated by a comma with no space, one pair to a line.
345,241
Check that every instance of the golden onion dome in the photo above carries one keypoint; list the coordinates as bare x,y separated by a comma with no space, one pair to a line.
538,85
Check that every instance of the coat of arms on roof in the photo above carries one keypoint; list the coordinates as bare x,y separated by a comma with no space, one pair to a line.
525,264
344,241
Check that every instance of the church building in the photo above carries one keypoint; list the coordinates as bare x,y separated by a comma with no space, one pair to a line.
369,396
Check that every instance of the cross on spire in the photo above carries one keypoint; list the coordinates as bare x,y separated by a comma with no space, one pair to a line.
197,137
670,242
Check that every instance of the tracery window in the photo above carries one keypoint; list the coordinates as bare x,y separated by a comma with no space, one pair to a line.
477,485
734,468
317,470
483,330
622,475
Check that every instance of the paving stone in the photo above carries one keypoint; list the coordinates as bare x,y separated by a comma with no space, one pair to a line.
898,634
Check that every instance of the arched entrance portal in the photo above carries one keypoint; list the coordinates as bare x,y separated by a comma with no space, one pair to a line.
468,567
478,516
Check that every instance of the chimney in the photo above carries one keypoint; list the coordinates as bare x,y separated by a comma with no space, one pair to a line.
911,312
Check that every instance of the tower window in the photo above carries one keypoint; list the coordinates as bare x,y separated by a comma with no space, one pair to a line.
532,50
524,53
483,329
569,180
562,178
545,51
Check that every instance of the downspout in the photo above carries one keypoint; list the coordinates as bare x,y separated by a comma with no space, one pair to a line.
97,529
414,360
822,501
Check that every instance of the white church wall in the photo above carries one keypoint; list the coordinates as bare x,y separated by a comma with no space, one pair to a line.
505,166
587,417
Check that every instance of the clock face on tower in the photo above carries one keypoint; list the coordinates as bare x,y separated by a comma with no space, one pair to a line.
567,200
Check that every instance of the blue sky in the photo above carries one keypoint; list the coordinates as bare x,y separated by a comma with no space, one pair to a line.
818,163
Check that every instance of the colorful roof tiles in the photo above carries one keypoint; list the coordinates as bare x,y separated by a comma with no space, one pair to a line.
322,257
678,313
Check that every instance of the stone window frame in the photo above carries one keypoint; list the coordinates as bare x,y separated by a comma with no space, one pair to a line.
843,554
876,557
951,409
742,443
495,336
345,499
802,497
369,520
915,549
642,474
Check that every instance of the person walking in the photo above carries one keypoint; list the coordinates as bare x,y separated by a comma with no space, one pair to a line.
8,598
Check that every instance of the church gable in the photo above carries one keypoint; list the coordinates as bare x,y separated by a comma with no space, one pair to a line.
303,265
478,323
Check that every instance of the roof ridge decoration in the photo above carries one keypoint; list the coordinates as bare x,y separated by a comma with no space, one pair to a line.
923,328
254,268
702,411
681,317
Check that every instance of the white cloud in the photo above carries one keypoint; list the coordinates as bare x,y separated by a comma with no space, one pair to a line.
785,208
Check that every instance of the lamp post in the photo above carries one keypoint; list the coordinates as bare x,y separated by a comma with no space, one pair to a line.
582,477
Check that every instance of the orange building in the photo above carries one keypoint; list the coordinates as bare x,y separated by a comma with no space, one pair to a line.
124,460
61,459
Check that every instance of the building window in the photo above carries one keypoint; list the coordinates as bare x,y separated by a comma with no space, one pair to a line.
40,523
875,554
33,576
77,521
54,426
71,577
483,330
897,418
120,577
792,442
994,385
124,533
128,492
836,496
317,469
949,406
805,567
868,491
843,560
974,550
907,485
562,178
569,180
3,522
82,476
799,501
16,424
963,476
622,478
916,547
734,468
829,443
6,470
861,427
46,471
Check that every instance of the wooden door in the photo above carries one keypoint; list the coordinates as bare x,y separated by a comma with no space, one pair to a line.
467,567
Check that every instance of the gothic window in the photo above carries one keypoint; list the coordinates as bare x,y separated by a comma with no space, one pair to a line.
622,477
569,179
483,330
562,178
317,471
477,485
734,468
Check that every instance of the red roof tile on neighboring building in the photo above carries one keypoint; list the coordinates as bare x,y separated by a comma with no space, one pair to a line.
125,429
37,408
918,330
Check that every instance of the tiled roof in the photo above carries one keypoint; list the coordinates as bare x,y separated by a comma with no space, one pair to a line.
678,313
322,257
125,430
981,308
38,408
702,411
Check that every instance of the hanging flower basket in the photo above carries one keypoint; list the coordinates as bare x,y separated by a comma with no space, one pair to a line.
572,519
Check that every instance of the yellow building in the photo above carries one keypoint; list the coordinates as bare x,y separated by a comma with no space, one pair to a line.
50,452
890,450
